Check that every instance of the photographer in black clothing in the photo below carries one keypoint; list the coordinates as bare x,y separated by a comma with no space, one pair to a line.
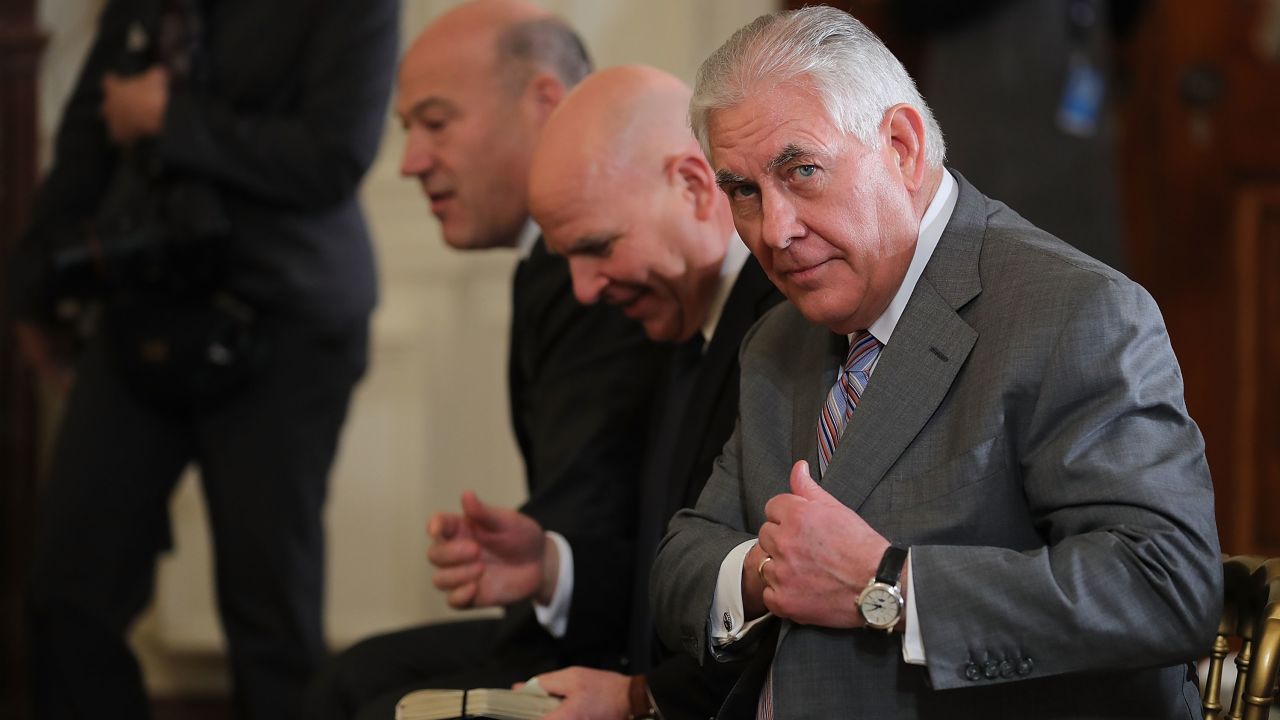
203,195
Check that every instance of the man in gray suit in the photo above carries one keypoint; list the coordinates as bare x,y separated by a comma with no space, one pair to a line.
960,431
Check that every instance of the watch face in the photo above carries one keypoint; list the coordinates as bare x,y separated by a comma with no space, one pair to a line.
880,606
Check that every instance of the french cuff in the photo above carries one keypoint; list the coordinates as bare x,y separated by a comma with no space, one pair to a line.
555,616
725,625
912,641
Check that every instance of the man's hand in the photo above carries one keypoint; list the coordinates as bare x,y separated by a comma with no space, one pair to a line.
33,345
491,556
823,554
133,107
588,694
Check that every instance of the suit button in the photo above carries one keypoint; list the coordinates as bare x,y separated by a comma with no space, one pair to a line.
972,672
1006,669
991,670
1025,666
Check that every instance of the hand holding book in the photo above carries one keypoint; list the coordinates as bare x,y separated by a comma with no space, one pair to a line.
588,694
575,693
530,703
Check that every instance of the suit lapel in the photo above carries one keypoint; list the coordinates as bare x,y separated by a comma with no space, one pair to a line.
517,367
751,296
536,283
916,369
915,372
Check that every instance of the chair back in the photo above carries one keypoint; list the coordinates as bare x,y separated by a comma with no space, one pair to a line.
1260,684
1251,615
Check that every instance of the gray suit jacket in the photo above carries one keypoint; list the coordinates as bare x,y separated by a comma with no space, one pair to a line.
1025,433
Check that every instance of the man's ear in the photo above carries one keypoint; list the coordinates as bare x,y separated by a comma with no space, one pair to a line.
902,132
543,94
690,174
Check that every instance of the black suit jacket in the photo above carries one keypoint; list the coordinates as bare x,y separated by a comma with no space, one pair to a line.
610,591
284,129
581,387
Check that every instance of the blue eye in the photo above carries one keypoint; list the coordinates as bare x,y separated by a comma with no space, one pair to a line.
743,191
805,171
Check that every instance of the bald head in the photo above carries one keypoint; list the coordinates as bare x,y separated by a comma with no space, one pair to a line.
474,25
620,120
512,38
475,89
621,188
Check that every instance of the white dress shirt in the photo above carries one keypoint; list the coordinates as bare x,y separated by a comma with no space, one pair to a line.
527,238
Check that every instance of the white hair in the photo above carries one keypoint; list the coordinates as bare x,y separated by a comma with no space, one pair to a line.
856,77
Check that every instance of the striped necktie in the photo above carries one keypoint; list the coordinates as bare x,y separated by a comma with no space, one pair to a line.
844,395
836,412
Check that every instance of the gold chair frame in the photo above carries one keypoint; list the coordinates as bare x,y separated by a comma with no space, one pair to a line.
1250,612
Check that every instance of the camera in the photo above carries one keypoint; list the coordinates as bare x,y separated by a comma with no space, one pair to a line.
153,233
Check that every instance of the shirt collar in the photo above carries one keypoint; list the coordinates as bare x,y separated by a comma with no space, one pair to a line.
935,220
735,257
527,238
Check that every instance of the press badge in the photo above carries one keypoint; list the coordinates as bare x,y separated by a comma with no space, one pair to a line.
1081,106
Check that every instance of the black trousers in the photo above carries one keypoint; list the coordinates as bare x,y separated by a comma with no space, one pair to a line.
367,680
264,456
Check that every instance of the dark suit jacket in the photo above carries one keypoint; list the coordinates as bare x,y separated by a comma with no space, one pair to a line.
609,590
1025,433
284,129
581,386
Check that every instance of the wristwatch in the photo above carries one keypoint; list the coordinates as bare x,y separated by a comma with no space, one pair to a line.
640,699
880,602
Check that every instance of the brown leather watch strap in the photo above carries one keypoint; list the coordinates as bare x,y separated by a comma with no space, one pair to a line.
638,695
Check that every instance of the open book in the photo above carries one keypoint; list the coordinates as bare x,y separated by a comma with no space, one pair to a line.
528,703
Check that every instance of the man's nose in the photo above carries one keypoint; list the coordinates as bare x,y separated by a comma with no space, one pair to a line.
588,283
779,222
418,157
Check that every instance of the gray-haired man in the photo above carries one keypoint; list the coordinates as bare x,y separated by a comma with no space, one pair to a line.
1009,411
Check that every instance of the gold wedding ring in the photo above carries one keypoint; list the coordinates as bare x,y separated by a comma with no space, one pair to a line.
760,567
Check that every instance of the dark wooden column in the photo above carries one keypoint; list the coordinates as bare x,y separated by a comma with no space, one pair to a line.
1201,163
20,47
